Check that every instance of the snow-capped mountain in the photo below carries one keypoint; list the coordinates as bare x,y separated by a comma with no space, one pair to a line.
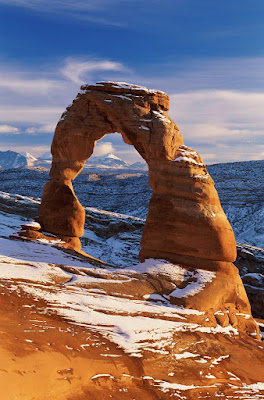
45,156
11,159
107,161
141,166
31,160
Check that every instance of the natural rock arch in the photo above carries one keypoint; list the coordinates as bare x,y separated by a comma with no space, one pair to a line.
185,222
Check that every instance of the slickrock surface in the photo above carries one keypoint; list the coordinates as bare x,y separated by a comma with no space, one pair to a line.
73,331
178,324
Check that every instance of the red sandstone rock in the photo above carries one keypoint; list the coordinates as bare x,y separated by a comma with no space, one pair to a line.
86,333
185,224
193,229
61,212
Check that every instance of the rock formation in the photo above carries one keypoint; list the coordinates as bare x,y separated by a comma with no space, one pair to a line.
70,331
185,224
193,229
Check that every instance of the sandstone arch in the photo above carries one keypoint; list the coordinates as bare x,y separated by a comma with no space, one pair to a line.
185,223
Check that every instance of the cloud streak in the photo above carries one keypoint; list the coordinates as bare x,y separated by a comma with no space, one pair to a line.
221,125
29,115
74,69
36,151
95,11
29,86
48,128
8,129
77,5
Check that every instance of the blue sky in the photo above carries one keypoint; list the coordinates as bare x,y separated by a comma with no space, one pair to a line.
207,55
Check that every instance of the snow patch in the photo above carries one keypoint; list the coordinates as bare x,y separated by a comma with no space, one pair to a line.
197,281
189,160
186,354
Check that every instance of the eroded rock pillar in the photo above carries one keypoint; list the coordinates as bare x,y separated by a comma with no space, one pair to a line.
186,223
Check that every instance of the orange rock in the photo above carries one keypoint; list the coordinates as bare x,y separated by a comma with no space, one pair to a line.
193,228
61,212
185,223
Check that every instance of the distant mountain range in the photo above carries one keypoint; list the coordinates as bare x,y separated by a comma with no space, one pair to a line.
11,160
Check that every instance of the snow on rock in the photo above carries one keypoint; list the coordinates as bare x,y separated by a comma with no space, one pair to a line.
186,354
125,85
187,159
198,279
160,115
148,330
128,323
32,225
121,96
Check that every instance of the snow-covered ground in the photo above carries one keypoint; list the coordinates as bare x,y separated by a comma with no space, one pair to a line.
134,325
118,304
241,190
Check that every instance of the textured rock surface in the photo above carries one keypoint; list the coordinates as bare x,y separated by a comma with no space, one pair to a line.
73,328
193,229
185,223
70,331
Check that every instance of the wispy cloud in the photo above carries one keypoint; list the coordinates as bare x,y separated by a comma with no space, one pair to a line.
77,70
78,5
226,123
95,11
193,74
240,112
29,115
36,151
28,86
48,128
8,129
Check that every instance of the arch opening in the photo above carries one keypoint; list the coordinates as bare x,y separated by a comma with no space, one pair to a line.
115,198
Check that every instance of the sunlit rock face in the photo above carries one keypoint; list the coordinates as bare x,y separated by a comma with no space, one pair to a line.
185,223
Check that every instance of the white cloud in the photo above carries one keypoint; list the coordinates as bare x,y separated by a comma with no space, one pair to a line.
216,122
35,151
32,115
76,69
194,74
48,128
52,5
28,86
219,106
103,148
8,129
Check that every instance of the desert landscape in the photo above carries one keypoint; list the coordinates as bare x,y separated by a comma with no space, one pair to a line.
131,200
85,318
